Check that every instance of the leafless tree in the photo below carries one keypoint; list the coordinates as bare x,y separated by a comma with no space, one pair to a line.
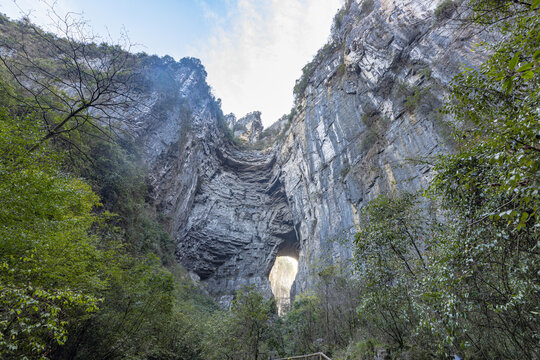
69,77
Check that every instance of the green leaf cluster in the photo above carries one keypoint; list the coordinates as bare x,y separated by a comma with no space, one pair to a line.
82,254
244,331
52,267
472,288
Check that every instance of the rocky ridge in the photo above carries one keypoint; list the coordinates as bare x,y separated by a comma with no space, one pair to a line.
249,127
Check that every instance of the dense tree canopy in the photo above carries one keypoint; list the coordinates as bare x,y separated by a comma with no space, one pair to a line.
479,294
79,272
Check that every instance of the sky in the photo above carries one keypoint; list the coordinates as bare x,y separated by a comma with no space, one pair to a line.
253,50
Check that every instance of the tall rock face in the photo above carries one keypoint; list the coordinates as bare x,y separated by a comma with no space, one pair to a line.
366,109
225,206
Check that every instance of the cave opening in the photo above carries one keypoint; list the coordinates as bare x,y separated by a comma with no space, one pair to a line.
284,270
281,278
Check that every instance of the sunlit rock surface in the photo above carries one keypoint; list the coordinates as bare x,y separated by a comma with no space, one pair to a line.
249,127
370,110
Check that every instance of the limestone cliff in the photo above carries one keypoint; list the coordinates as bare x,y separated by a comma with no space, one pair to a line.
225,206
249,127
366,108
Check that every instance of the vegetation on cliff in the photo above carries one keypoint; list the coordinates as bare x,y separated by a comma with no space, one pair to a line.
452,270
473,288
87,268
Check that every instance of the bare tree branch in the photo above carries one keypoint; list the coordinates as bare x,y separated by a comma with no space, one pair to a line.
72,79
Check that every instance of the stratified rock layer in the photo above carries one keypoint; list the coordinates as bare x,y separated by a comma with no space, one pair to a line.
368,114
225,206
369,110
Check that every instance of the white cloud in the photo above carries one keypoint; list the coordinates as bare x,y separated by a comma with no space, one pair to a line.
259,48
255,53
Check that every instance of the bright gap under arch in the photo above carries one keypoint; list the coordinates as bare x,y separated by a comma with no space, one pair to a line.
281,279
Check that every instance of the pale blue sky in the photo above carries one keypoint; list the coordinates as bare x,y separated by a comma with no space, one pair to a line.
163,27
253,50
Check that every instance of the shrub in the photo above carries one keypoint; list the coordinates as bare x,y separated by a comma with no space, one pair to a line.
268,133
418,96
345,170
369,140
445,10
375,122
367,6
445,129
239,127
338,19
425,72
341,69
308,70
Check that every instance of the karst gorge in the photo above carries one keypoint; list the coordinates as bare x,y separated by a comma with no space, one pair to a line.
391,214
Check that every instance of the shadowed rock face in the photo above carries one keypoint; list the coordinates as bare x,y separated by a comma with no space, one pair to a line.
238,221
369,109
226,207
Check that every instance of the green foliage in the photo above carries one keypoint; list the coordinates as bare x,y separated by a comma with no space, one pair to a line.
425,72
308,70
368,141
62,274
78,281
389,255
445,128
239,127
345,170
469,287
376,125
229,134
241,333
34,318
268,133
50,264
375,122
501,139
217,341
361,350
445,10
324,319
487,270
339,295
271,135
303,324
66,81
117,174
418,95
338,19
341,69
251,313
